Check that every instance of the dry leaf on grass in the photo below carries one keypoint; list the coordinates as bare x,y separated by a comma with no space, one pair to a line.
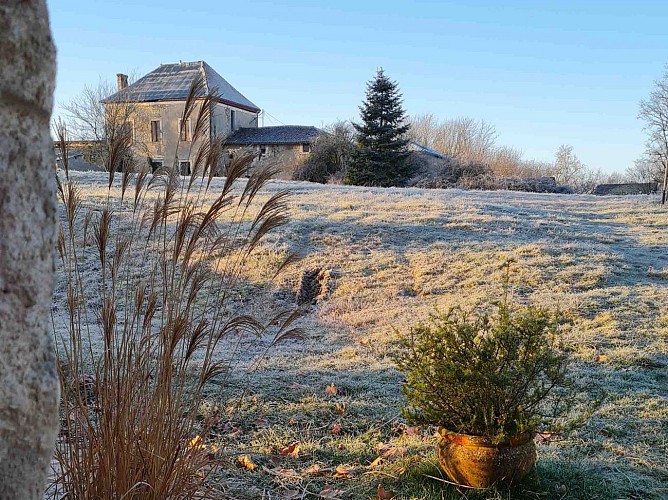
330,389
345,471
544,437
601,358
387,452
330,493
384,494
196,442
282,473
291,451
336,429
340,408
261,423
316,470
245,462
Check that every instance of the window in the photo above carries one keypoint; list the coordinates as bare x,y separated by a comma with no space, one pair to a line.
186,133
306,147
263,150
129,128
233,119
185,167
156,131
155,164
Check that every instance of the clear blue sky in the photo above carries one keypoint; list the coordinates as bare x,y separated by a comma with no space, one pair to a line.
544,73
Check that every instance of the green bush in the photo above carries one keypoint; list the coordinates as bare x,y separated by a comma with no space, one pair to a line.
493,375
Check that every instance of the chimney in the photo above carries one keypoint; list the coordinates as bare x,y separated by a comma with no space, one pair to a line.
122,80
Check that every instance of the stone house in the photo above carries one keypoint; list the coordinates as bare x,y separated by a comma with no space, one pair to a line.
286,146
158,100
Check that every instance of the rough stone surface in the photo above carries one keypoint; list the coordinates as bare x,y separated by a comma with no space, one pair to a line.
28,382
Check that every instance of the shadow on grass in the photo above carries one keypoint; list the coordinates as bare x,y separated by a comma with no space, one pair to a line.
550,479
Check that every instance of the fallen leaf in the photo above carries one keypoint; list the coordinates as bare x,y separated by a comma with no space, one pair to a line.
340,408
412,431
330,389
336,429
245,462
397,451
604,432
601,358
388,452
330,493
316,470
291,451
196,442
261,423
382,447
543,437
345,472
383,494
281,472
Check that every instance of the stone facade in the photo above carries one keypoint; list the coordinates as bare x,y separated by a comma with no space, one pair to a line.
286,147
158,100
288,157
168,114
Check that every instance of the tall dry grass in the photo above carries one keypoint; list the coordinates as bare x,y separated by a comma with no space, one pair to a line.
144,336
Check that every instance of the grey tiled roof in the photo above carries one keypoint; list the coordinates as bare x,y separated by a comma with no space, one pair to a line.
172,81
414,146
285,134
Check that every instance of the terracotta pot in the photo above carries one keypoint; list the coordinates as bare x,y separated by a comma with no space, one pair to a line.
478,462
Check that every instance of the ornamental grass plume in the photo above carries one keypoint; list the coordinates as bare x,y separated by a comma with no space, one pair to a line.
142,338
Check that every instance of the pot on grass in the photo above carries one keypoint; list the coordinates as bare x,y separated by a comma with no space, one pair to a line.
480,462
488,380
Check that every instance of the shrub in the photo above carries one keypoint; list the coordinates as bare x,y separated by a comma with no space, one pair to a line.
142,337
330,155
483,374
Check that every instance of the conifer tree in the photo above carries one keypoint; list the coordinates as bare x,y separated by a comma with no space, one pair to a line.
381,156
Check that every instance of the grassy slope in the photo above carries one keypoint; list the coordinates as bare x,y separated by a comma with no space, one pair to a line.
398,254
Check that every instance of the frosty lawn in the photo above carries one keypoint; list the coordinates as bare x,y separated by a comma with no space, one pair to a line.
395,255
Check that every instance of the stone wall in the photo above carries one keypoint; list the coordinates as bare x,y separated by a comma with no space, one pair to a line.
288,157
29,388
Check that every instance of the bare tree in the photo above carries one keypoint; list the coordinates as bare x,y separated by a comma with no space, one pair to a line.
646,169
103,125
654,112
330,155
465,139
567,166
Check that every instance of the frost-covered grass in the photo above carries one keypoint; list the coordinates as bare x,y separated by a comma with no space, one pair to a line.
398,255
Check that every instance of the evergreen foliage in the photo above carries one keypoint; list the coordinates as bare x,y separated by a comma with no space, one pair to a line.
495,376
381,158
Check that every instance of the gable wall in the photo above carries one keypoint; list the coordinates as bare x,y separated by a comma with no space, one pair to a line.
169,113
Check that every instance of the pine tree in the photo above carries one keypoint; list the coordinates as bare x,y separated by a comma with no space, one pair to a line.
381,156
